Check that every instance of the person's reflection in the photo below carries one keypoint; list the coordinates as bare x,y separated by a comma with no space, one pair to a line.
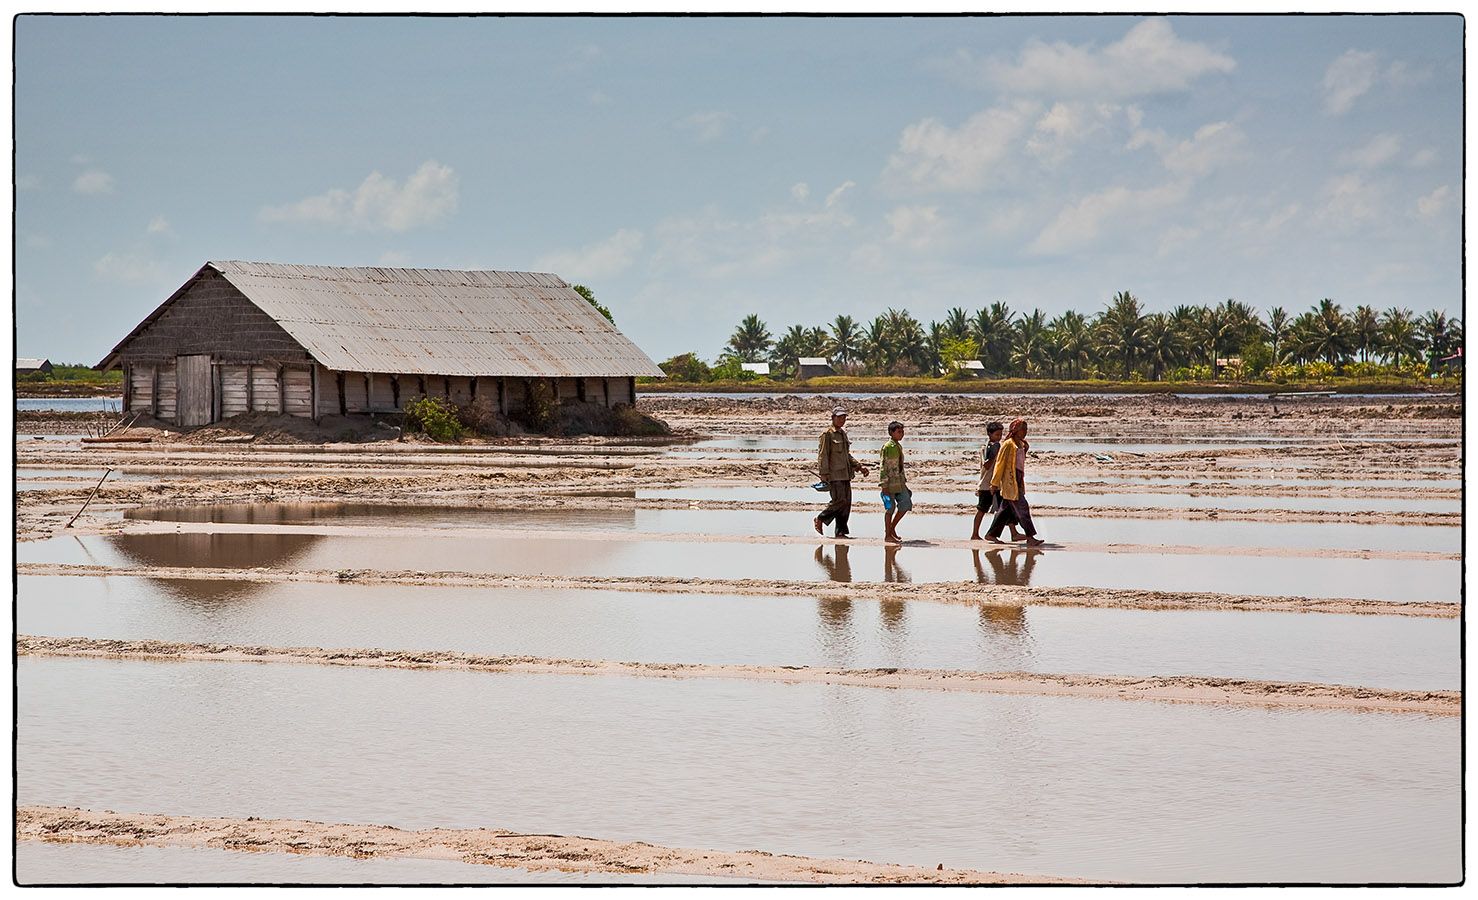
837,568
1016,572
892,572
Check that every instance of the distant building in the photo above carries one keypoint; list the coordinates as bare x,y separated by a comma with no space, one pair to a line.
320,340
813,367
1228,362
29,366
971,367
758,368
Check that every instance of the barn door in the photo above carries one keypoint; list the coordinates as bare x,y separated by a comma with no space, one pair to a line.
193,374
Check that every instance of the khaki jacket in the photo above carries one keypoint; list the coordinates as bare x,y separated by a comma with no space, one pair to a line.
834,460
1004,479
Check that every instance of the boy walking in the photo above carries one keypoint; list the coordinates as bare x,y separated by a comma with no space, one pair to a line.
835,466
1010,479
987,498
897,498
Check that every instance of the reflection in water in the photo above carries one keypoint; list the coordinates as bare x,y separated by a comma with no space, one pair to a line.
1016,571
385,514
234,551
892,572
837,567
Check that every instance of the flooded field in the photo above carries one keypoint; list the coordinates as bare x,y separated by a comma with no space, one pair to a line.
1407,653
1098,788
1237,659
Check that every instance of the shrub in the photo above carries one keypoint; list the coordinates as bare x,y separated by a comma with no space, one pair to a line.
1319,370
728,370
434,417
1282,373
479,416
1256,357
541,411
686,367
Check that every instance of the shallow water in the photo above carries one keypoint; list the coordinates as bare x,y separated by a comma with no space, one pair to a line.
1100,789
41,863
1372,579
864,494
1371,651
70,404
1198,533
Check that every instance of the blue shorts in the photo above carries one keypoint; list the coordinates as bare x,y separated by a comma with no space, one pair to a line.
903,501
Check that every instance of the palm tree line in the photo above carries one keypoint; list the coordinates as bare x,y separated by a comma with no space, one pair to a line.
1120,341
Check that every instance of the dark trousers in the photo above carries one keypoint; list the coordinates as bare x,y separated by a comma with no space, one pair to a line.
1017,512
840,507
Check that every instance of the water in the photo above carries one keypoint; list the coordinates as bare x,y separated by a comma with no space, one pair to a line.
1372,579
954,526
865,495
1373,651
40,863
69,404
1100,789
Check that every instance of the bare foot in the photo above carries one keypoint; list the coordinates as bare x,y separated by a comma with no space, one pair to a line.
1034,542
995,540
975,537
1015,535
817,522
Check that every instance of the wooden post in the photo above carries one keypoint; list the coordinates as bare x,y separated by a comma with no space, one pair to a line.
251,376
580,389
606,385
472,391
502,399
154,392
446,382
217,392
313,392
395,390
343,399
631,390
368,397
281,391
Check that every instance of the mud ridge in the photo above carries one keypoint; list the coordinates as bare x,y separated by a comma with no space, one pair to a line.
480,846
964,592
1170,689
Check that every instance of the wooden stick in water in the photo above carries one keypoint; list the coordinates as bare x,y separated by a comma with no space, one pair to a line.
106,473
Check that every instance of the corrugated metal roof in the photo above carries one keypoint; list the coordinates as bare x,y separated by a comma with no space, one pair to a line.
813,361
27,362
439,321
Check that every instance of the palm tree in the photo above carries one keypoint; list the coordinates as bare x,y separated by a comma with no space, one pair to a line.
1328,334
751,340
991,329
1074,340
1277,330
1164,347
1364,331
1399,335
957,323
1436,334
789,349
1029,346
876,348
1121,329
845,346
1217,328
909,343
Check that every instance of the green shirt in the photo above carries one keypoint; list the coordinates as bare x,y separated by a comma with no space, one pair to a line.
891,470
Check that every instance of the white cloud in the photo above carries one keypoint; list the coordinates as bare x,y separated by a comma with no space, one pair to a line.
603,259
800,190
93,181
159,225
1434,203
835,196
707,126
915,226
379,203
934,156
710,246
1080,223
1212,146
1149,59
1348,79
1349,200
133,267
1422,158
1066,125
1375,153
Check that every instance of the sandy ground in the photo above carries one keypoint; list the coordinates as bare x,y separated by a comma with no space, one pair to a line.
1172,689
483,846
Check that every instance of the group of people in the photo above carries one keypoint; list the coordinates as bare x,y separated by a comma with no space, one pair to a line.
1001,492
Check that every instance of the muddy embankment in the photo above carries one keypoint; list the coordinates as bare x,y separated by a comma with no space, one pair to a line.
480,846
1164,689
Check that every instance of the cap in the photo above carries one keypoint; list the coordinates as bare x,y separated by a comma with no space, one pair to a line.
838,410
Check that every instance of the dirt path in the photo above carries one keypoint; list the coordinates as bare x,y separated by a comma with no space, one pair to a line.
1166,689
482,846
963,592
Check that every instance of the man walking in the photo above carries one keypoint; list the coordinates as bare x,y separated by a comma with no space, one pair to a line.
835,466
897,498
1009,479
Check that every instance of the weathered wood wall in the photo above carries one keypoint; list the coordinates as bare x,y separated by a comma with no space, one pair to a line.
212,317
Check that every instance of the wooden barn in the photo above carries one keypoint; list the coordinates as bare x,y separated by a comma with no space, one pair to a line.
30,366
318,340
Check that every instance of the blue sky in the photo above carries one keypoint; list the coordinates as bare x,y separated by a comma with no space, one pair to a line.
694,170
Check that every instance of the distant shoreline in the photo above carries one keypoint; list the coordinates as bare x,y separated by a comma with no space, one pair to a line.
844,385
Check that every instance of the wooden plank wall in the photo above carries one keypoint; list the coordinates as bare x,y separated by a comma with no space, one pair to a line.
620,390
382,397
141,388
297,390
233,391
264,388
167,392
354,392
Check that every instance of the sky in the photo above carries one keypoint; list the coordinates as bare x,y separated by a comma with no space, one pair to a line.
692,171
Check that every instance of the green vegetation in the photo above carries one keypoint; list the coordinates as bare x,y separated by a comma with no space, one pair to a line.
435,418
1122,344
589,296
73,372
